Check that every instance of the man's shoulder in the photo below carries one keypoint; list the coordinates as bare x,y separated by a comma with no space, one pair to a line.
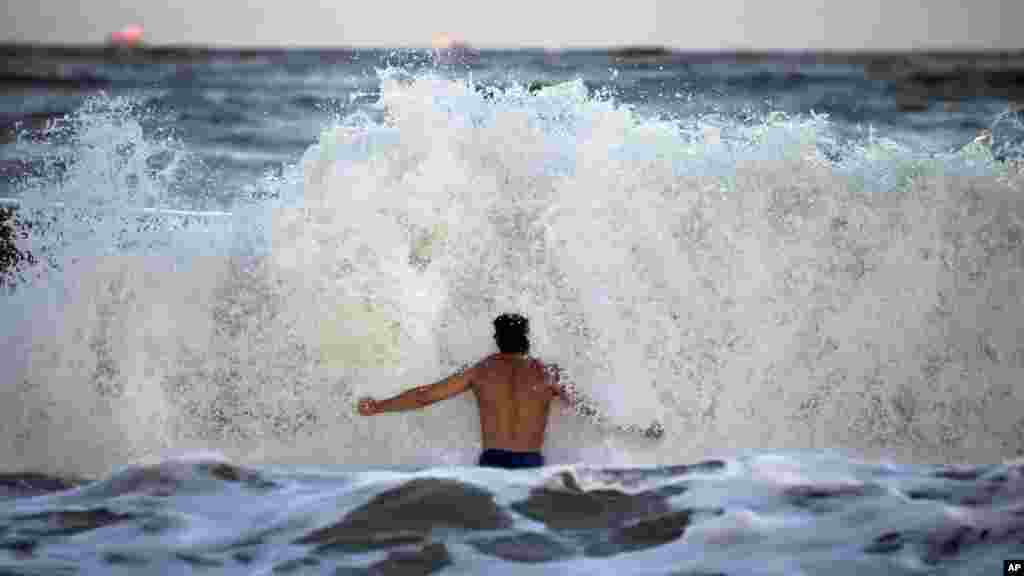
498,359
486,364
490,360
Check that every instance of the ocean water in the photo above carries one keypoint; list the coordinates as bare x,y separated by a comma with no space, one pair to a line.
805,271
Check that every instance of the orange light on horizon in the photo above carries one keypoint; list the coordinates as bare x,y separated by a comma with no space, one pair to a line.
130,35
450,49
441,42
444,41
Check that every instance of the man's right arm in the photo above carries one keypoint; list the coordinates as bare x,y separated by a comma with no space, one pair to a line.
587,408
553,379
567,391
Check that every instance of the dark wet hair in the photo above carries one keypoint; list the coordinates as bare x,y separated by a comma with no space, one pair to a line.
510,332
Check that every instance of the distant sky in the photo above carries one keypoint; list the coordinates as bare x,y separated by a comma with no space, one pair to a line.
684,24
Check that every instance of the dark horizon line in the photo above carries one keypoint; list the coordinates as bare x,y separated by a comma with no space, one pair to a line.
635,50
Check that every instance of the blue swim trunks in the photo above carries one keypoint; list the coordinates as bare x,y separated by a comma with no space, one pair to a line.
494,458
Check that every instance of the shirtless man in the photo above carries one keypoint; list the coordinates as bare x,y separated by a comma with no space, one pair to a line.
513,391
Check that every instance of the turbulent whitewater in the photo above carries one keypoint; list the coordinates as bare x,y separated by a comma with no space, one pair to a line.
765,514
830,323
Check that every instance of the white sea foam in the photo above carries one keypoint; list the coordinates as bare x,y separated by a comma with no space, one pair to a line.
732,283
253,520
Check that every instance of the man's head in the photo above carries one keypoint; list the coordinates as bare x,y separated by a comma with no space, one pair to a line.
510,333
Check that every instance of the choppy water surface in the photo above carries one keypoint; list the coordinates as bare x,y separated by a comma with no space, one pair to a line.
763,514
808,281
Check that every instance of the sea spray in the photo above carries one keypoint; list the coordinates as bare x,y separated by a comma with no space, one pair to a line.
749,287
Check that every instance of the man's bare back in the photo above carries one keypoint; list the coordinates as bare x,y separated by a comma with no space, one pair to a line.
514,394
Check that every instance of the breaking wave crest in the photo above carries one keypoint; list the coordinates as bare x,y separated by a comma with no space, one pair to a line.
749,286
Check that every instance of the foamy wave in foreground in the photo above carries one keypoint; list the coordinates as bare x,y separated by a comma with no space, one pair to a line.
762,514
750,287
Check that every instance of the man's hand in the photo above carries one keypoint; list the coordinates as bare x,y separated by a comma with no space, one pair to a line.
552,376
368,406
555,373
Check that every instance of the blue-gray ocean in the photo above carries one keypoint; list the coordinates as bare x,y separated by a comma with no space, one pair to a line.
807,269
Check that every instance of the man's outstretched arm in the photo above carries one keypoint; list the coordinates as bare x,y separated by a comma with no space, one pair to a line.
587,408
418,397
